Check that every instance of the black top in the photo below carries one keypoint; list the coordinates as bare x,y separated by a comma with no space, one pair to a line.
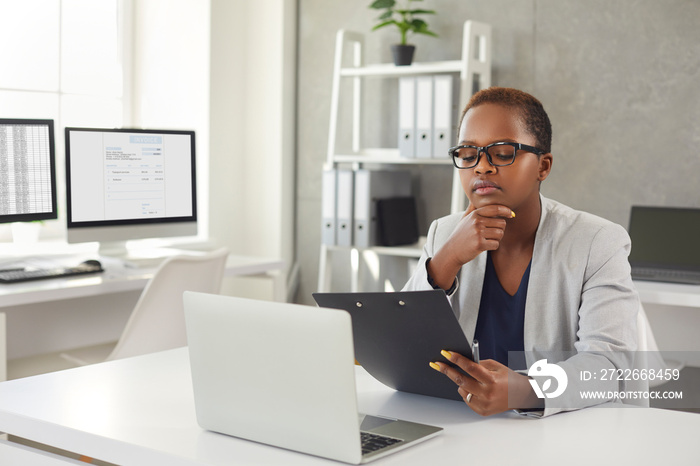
501,321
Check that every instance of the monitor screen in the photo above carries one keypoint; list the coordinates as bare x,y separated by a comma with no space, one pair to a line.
27,170
665,237
125,184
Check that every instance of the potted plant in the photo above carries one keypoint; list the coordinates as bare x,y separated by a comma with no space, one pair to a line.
404,18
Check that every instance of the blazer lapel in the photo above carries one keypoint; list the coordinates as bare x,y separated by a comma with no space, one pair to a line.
471,284
538,286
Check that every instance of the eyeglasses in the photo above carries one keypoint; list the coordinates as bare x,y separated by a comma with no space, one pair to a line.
499,154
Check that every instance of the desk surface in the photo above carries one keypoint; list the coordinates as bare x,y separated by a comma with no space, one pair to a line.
140,411
116,278
669,294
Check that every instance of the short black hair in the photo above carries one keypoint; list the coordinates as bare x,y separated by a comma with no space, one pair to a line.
531,111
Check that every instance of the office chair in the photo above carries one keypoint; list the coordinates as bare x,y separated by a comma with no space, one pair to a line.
157,322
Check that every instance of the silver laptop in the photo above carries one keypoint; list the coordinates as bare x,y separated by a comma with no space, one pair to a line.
284,375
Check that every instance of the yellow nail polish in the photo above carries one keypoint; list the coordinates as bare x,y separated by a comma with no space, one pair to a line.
435,366
512,214
447,354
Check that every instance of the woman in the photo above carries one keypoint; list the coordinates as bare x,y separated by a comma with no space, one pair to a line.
525,274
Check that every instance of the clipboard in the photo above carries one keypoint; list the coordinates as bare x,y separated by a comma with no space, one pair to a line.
397,335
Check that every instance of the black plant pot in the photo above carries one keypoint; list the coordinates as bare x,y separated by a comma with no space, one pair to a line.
403,54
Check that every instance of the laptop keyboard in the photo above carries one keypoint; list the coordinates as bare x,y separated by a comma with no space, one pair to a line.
373,442
662,275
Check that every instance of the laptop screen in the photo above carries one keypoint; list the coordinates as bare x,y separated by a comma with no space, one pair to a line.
665,237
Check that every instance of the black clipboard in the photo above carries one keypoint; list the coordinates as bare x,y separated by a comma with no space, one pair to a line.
397,335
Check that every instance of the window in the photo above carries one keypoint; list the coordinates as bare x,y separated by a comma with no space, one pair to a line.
72,61
62,60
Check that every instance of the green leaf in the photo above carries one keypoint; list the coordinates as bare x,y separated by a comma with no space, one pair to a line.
385,23
418,24
403,27
421,27
415,12
379,4
427,33
386,15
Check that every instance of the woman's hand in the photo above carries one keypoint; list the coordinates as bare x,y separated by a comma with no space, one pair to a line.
479,230
493,389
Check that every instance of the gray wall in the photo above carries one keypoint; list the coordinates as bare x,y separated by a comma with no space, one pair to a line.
620,80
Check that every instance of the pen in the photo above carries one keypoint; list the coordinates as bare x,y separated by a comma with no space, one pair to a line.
475,351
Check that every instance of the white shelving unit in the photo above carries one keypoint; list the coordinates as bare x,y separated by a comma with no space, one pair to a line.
474,70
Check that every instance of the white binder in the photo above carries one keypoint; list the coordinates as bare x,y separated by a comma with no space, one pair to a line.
371,185
328,211
424,117
444,130
344,208
407,117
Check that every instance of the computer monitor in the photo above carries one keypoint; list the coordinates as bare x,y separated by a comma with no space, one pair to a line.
127,184
27,170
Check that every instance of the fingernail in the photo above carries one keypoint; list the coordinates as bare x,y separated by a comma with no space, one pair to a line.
512,214
447,354
435,366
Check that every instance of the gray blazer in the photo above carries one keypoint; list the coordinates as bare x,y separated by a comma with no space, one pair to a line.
581,307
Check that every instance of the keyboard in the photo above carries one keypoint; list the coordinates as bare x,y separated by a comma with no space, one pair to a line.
666,275
373,442
23,275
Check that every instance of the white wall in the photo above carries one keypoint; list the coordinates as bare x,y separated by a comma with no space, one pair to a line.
170,76
253,68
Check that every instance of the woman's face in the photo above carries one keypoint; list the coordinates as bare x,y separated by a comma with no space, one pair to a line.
511,185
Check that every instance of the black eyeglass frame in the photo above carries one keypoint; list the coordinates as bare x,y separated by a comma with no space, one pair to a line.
485,150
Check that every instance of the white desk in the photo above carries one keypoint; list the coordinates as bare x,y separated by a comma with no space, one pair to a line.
116,278
673,311
140,411
669,294
13,454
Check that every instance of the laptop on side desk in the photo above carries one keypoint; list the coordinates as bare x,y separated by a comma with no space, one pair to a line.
284,375
665,244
